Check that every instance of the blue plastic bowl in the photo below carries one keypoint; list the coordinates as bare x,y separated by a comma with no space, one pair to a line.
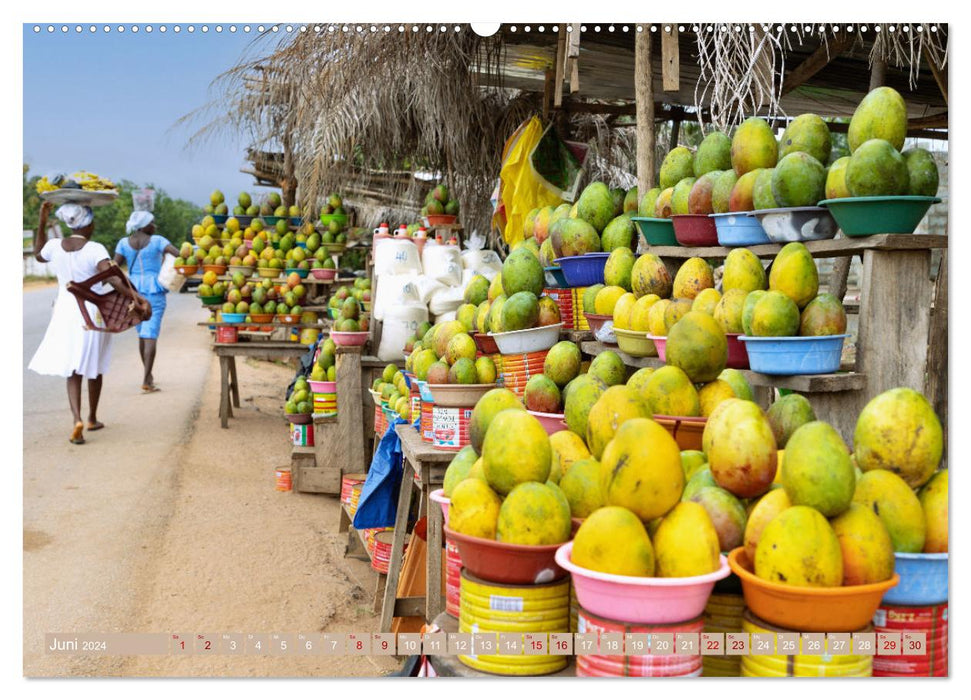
408,378
233,318
584,270
219,218
656,231
816,354
739,229
923,580
555,278
424,391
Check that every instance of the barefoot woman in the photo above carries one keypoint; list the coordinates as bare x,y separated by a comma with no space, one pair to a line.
68,349
142,252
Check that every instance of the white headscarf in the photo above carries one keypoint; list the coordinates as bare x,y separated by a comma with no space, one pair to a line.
75,215
139,220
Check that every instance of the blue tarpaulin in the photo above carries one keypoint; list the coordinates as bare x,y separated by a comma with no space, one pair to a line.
379,495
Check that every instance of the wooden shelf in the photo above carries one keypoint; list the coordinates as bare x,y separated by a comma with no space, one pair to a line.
576,336
415,450
808,383
833,248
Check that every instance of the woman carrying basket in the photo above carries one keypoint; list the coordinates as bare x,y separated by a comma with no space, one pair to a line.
142,252
68,348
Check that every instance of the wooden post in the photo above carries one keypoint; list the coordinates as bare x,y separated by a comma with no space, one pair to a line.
644,98
560,67
937,350
670,60
940,76
573,58
675,132
878,73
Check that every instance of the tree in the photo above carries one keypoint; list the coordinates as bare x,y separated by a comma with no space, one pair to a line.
173,217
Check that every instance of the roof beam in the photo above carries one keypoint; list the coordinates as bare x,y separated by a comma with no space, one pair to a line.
816,61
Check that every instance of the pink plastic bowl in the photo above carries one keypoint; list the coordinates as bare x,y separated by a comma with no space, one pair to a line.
323,387
660,343
438,495
641,599
737,354
323,273
349,338
551,422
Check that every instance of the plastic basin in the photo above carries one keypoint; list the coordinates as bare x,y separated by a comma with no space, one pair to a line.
209,301
300,418
246,270
269,273
739,229
635,343
323,273
555,277
349,338
327,218
660,343
425,392
186,270
866,216
301,272
656,231
551,422
640,599
806,609
262,318
323,387
486,343
816,354
438,495
596,321
527,340
794,224
233,318
500,562
219,218
218,269
695,230
584,270
458,395
687,431
737,354
923,580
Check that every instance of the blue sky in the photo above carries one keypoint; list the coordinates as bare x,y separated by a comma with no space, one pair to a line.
119,123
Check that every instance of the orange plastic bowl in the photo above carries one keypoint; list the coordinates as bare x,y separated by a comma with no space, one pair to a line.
805,609
501,562
687,431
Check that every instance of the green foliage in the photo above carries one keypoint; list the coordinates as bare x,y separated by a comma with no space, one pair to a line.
173,217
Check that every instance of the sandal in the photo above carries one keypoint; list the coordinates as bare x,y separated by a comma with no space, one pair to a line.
149,388
97,425
77,435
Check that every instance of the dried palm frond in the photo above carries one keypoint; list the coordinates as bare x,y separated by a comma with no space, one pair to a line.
904,45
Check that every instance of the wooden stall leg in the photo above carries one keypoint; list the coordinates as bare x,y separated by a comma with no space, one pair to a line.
397,548
233,382
433,562
224,409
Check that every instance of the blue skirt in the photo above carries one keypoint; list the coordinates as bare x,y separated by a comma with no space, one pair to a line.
151,327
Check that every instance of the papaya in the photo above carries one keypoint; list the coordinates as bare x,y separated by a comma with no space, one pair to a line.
694,275
741,448
613,540
686,543
722,191
533,514
616,406
744,271
809,134
882,114
794,273
933,501
799,548
581,486
714,154
887,495
922,172
697,345
818,471
876,169
670,392
677,165
788,414
865,546
765,509
649,275
753,146
824,315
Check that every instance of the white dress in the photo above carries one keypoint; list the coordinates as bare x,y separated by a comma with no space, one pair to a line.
67,347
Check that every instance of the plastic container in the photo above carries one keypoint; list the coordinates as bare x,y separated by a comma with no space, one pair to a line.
551,422
323,387
349,338
528,340
262,318
794,224
219,218
323,273
645,599
866,216
284,481
687,431
218,269
635,343
644,664
485,343
695,230
233,318
596,321
555,277
737,354
501,562
807,609
325,219
440,219
660,344
300,418
300,272
245,270
439,497
656,231
736,229
923,579
584,270
186,270
458,395
425,392
786,356
226,334
270,273
209,301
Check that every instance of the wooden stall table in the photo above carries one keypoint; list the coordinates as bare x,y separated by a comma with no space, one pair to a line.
227,354
426,466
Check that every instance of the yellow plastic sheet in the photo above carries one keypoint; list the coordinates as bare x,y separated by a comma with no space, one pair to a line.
522,188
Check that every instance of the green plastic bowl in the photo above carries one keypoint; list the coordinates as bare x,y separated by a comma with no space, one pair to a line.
867,216
656,231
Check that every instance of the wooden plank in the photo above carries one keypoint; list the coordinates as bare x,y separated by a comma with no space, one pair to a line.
839,276
573,57
940,76
810,383
832,248
314,479
670,59
644,98
560,66
894,321
412,606
225,411
816,61
417,451
937,350
433,576
397,554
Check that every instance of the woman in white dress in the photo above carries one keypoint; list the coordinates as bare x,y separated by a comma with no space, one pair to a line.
68,349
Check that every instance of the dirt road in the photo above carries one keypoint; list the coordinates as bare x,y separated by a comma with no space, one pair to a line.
164,522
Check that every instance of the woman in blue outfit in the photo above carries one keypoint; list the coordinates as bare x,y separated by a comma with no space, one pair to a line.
142,252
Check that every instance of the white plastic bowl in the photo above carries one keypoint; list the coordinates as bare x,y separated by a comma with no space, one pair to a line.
528,340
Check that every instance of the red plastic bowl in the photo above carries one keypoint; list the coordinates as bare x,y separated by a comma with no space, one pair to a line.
349,338
500,562
596,321
323,273
695,230
737,354
551,422
486,344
